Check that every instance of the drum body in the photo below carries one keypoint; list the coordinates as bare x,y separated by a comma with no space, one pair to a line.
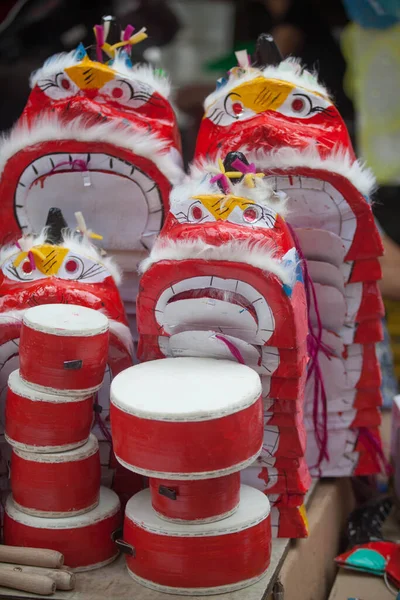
57,485
85,540
186,418
37,421
198,559
63,347
200,500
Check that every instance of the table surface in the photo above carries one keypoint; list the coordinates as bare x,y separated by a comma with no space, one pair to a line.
114,582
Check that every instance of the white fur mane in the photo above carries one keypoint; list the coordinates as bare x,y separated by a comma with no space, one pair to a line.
339,161
120,135
289,70
54,65
143,73
80,247
259,255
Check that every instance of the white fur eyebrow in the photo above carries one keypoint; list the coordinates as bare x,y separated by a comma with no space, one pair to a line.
143,73
288,70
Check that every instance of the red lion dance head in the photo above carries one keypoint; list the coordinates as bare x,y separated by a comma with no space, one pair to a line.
96,137
61,266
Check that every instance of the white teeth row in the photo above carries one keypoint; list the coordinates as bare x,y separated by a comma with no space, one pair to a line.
204,344
266,322
96,162
316,203
353,295
346,268
306,183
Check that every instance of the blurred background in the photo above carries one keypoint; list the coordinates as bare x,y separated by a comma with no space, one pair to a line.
353,44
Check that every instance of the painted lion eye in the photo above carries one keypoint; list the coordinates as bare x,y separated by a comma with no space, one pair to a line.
129,93
237,108
27,267
82,268
117,93
298,105
252,214
71,266
58,87
65,83
196,213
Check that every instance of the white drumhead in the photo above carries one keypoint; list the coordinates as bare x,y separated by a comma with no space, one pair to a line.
88,449
108,506
174,389
253,508
66,319
19,387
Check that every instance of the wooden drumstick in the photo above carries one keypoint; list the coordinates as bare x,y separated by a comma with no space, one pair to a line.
35,584
35,557
64,579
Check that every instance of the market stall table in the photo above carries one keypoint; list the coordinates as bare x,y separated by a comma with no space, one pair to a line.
307,563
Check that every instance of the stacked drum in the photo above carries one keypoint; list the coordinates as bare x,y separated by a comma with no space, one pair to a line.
57,501
191,425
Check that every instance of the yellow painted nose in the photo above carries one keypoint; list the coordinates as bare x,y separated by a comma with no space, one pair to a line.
89,75
262,94
48,259
221,206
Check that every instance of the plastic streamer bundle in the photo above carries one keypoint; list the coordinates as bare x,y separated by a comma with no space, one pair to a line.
172,557
86,540
64,348
315,345
234,351
203,500
57,485
37,421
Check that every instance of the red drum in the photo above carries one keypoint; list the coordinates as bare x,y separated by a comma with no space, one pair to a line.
86,541
57,485
186,418
37,421
202,500
204,558
63,347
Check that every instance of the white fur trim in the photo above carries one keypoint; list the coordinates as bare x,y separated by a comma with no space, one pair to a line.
54,65
123,333
81,247
198,183
259,255
339,161
289,70
143,73
120,135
